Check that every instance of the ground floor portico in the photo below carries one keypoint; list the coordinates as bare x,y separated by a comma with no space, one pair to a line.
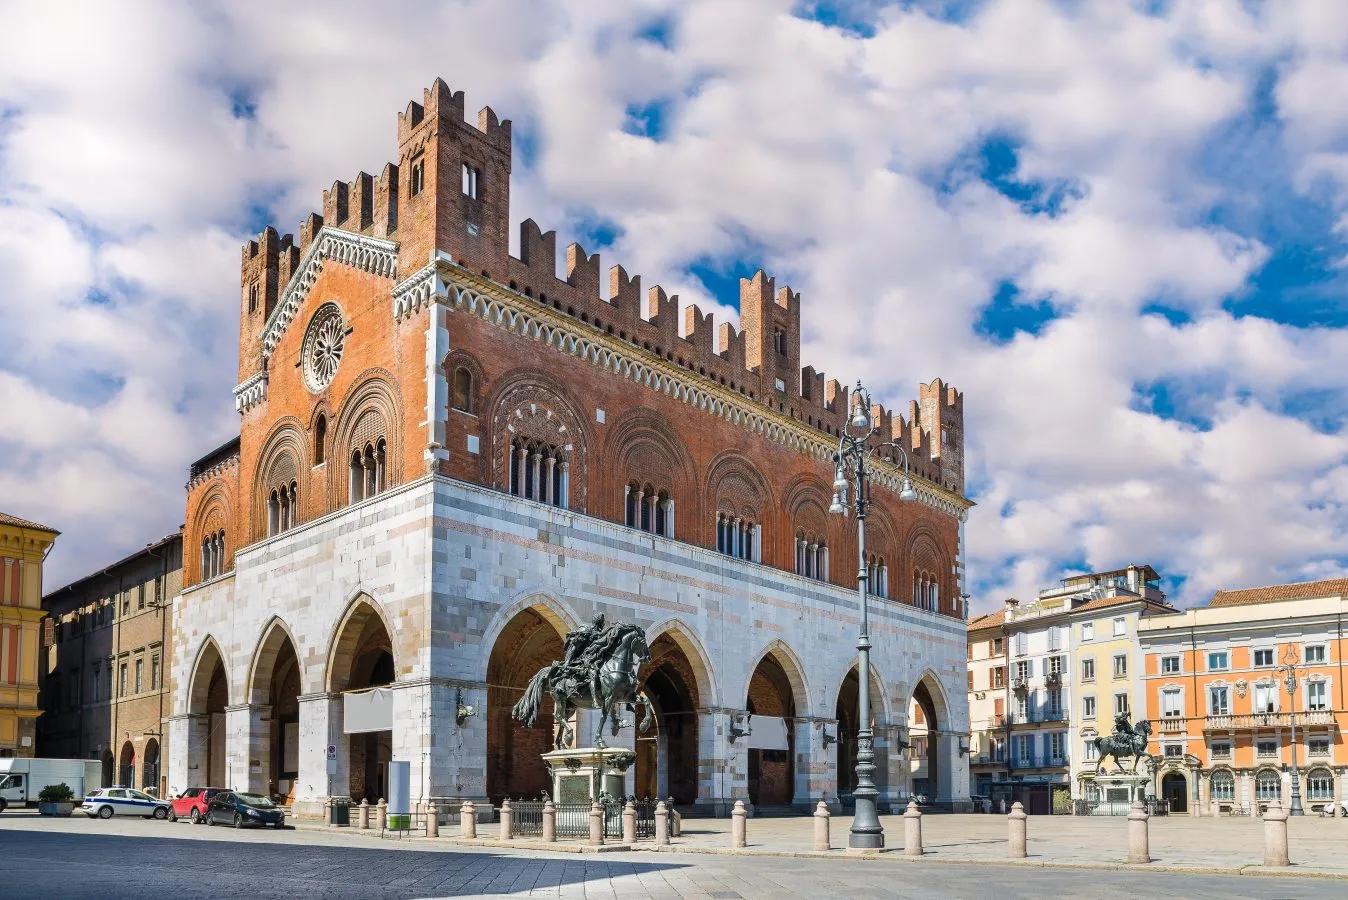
430,607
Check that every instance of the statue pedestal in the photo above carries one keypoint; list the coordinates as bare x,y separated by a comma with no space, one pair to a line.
1118,791
583,774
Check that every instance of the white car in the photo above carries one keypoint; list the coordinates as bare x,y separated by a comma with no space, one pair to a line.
116,801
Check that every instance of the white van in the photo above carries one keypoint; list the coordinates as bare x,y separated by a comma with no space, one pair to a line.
21,780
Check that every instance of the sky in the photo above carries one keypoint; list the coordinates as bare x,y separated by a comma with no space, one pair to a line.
1120,228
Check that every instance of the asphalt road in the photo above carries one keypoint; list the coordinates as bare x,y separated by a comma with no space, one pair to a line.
79,858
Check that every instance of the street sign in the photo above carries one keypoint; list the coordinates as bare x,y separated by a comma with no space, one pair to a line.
332,751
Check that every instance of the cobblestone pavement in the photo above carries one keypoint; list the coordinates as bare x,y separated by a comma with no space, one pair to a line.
78,858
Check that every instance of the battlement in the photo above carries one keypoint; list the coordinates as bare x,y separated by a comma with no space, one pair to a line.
449,191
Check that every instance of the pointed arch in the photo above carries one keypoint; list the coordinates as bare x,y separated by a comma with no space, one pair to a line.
554,611
203,669
939,701
794,670
346,640
882,709
271,639
707,690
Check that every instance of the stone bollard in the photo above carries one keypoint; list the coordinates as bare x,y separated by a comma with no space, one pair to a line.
363,817
1015,847
432,820
738,818
468,820
675,819
912,830
596,824
630,823
1275,836
381,814
549,822
661,825
1139,844
507,820
821,821
327,811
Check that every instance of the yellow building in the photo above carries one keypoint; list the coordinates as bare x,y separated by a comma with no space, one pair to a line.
23,548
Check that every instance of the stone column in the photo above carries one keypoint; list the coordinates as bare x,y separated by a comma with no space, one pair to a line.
1275,835
184,751
243,735
565,500
1139,845
806,760
521,471
722,767
321,726
547,480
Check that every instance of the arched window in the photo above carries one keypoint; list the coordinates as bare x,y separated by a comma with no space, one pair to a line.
320,439
357,486
877,575
1320,785
463,390
1267,786
273,513
539,471
739,537
1223,785
649,509
811,556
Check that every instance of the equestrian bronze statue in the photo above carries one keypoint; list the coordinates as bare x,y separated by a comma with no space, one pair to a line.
598,671
1127,740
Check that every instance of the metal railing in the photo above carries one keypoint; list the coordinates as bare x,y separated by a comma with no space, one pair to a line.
1039,716
573,819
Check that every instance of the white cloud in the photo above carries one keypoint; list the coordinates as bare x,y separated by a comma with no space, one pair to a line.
846,163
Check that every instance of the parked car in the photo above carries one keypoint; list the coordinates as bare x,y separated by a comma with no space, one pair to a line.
191,804
120,801
240,810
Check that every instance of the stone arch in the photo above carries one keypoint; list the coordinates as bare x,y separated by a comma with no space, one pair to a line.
554,611
208,695
643,448
271,639
522,643
928,567
929,739
361,613
794,670
212,522
280,467
531,406
320,432
805,502
370,412
462,359
847,712
738,502
936,691
1174,788
708,692
198,686
149,767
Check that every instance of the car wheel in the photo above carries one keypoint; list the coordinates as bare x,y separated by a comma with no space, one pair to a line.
196,817
210,820
3,804
160,812
172,814
105,812
238,821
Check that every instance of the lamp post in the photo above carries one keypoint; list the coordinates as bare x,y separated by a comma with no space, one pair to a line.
853,464
1289,679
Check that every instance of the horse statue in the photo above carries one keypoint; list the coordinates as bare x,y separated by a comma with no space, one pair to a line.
1127,740
599,671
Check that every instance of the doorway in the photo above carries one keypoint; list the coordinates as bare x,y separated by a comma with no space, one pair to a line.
1175,791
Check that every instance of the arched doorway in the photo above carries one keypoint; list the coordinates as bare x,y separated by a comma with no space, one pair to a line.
515,768
846,711
149,769
108,768
276,690
924,744
126,769
667,755
1175,790
207,699
772,743
362,658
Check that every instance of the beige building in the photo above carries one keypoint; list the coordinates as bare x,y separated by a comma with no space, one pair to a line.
23,548
104,690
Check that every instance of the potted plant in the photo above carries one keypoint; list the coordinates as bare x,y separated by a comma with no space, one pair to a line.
56,800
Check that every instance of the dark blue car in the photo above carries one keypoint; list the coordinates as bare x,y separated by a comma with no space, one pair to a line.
242,810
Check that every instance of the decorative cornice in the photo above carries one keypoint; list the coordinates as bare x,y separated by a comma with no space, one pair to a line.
250,392
373,255
207,474
443,283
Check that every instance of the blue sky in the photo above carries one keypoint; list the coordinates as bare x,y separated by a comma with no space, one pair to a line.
1119,227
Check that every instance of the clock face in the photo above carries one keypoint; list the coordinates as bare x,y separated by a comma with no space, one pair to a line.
323,345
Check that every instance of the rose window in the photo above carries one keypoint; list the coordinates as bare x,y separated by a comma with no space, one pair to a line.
323,346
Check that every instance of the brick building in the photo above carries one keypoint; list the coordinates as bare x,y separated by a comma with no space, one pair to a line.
104,691
23,547
449,456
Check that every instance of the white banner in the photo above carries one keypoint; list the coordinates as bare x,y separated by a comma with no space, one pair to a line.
365,711
767,733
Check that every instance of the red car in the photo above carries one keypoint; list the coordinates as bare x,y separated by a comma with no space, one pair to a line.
192,803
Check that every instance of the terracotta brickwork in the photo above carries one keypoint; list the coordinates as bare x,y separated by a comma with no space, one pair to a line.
438,389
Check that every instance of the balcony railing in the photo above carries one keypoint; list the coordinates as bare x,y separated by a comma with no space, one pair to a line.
1253,721
1172,725
1038,717
1039,762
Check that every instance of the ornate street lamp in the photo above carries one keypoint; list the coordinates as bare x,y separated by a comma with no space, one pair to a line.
855,449
1289,673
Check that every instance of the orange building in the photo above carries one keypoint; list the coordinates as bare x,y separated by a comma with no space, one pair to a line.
1245,692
